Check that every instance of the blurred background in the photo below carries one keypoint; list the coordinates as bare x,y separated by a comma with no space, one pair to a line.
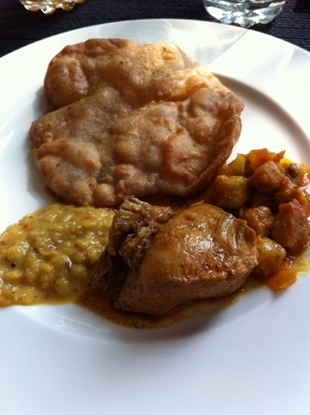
19,27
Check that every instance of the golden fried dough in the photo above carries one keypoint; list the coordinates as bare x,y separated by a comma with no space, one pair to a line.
142,120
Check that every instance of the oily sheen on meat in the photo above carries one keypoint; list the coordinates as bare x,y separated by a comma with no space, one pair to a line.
156,260
134,120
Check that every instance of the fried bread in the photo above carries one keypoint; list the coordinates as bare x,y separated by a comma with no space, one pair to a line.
132,119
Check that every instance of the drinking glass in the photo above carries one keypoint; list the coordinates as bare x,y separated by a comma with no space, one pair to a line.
49,6
244,13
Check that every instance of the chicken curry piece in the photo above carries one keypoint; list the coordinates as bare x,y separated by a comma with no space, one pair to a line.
262,195
155,260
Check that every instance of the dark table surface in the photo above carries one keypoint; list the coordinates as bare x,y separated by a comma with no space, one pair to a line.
19,27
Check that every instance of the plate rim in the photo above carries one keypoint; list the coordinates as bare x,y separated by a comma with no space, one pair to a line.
85,342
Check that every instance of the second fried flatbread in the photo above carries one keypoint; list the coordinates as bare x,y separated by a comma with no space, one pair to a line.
152,121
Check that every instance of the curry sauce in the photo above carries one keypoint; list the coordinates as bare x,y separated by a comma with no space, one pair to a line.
49,254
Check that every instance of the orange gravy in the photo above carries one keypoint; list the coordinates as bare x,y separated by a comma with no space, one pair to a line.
100,304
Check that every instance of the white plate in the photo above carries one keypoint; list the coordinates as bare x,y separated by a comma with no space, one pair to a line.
251,359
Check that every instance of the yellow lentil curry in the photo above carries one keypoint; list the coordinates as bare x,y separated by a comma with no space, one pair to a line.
49,254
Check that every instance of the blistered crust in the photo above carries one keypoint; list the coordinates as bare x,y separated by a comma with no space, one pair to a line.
132,120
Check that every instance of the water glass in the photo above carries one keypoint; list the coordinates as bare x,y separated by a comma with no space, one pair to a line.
49,6
244,13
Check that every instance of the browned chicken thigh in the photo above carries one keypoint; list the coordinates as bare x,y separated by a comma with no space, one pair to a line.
156,260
